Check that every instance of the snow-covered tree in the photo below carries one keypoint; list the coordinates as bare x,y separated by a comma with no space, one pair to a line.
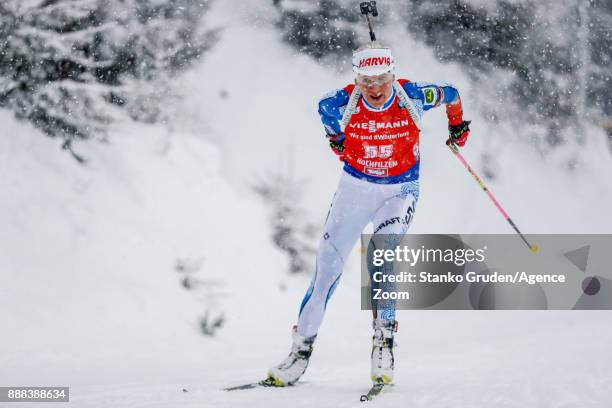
292,233
69,66
599,25
318,28
547,62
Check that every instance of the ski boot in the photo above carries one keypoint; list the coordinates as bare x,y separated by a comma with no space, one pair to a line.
292,368
382,351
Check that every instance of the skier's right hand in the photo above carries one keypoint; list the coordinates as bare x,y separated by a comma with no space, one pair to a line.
336,142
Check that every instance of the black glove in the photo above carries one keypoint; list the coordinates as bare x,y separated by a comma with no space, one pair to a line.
336,142
458,134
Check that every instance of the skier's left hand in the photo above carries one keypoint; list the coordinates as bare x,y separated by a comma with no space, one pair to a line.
458,134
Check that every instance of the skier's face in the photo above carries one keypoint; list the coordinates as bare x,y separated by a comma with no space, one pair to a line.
376,89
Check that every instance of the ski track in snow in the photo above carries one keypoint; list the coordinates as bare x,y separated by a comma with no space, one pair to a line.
90,299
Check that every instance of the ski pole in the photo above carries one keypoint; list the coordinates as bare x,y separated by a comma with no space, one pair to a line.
455,149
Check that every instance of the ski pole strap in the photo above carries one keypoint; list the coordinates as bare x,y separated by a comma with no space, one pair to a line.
408,104
401,94
350,108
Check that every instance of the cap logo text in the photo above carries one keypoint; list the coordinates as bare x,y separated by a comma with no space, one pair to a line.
373,61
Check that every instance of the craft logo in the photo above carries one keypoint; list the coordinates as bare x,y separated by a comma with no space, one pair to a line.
374,61
391,221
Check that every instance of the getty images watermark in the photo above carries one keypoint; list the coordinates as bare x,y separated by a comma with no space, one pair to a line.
486,272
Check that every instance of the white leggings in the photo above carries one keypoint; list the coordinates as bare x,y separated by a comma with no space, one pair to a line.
390,207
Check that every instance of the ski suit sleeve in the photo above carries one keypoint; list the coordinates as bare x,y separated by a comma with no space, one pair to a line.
432,95
331,109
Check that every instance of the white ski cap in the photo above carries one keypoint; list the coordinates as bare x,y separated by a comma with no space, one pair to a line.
373,59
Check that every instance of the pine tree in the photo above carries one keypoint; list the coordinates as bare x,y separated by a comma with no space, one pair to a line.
318,28
292,233
545,64
600,76
68,66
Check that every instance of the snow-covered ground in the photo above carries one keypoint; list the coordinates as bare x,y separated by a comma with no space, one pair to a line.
89,297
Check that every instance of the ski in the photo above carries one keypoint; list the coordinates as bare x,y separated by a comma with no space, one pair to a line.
376,389
243,387
267,383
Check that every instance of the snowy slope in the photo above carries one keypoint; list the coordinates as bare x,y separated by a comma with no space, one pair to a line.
88,253
89,297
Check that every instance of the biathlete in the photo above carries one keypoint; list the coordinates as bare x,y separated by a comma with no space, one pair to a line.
373,126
